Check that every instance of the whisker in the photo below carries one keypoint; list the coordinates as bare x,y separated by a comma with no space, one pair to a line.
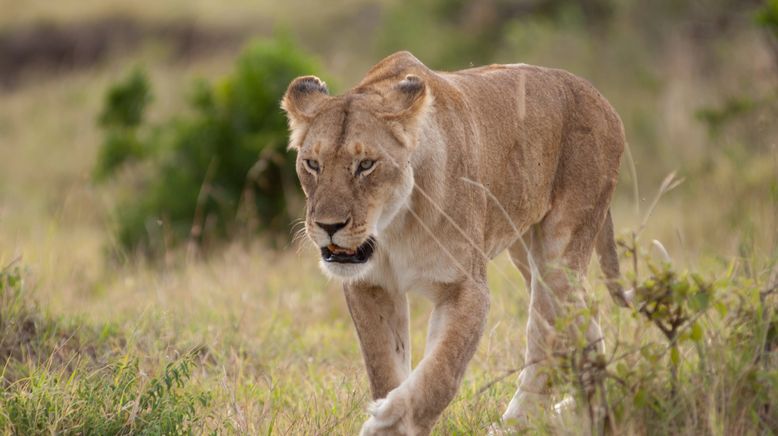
296,225
298,240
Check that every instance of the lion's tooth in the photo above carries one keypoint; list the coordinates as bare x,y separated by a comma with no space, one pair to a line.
341,250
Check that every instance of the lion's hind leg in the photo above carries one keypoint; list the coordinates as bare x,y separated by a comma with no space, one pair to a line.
559,252
519,253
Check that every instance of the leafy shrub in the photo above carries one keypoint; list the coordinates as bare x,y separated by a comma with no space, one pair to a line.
221,164
767,16
703,360
125,104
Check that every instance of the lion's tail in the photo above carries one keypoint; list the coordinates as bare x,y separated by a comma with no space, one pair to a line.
609,262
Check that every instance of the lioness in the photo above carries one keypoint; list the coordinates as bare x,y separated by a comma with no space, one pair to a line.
415,179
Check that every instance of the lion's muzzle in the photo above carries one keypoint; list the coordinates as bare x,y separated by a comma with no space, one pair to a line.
335,254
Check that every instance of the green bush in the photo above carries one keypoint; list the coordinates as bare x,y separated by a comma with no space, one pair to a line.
702,360
767,16
220,167
125,104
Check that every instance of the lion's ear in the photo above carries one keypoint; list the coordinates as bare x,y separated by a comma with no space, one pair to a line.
407,99
302,101
405,106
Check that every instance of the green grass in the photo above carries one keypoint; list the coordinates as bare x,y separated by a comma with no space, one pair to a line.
65,376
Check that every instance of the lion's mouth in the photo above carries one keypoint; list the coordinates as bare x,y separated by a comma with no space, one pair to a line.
337,254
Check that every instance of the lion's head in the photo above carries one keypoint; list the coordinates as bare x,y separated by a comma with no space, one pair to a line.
353,162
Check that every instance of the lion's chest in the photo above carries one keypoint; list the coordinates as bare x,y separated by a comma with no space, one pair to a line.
408,266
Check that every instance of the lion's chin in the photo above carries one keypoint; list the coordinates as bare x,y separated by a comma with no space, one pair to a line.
345,271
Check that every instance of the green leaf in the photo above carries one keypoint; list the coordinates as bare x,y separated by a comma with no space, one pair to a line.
696,332
675,356
621,369
648,354
640,398
700,301
721,308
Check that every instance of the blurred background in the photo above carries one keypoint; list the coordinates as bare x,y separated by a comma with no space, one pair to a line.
113,112
143,161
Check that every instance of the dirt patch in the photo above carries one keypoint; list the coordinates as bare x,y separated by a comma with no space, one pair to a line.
46,48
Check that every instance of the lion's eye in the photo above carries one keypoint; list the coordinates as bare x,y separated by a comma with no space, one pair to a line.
312,165
365,165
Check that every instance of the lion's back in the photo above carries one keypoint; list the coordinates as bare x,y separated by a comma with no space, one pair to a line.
535,130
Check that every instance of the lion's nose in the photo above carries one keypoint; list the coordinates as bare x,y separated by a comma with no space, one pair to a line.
331,228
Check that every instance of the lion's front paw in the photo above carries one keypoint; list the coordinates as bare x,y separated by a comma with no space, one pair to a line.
388,416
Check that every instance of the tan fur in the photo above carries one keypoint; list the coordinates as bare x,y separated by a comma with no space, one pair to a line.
468,164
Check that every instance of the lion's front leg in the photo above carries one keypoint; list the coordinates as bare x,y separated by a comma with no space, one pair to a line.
414,406
381,320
